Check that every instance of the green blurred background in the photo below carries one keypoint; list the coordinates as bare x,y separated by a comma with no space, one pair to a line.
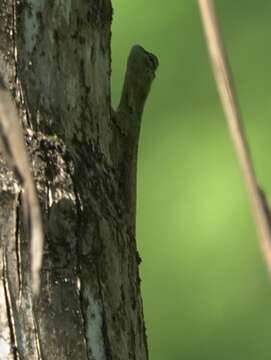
205,288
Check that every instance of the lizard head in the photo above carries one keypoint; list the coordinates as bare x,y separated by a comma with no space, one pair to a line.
140,72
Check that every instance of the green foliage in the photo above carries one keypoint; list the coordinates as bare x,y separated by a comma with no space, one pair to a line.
206,291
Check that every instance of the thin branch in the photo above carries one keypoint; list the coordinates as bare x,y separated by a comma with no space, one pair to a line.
228,98
11,136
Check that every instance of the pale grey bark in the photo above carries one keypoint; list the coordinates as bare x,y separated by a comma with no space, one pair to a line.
55,57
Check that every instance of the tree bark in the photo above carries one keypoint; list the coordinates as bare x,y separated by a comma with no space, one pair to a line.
55,58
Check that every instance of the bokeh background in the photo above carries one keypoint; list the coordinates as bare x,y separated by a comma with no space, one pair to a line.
205,288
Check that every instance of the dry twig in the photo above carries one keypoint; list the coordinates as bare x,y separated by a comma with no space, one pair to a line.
228,98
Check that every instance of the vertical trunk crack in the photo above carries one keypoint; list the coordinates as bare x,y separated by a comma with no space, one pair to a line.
37,339
79,207
84,320
107,346
18,247
10,316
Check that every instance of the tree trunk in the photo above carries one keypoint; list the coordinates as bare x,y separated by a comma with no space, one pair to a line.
55,58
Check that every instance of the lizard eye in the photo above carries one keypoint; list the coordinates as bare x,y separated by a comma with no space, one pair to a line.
151,61
154,61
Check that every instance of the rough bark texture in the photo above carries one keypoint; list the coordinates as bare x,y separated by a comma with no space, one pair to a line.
55,58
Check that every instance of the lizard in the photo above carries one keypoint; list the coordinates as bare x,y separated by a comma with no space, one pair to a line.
140,73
